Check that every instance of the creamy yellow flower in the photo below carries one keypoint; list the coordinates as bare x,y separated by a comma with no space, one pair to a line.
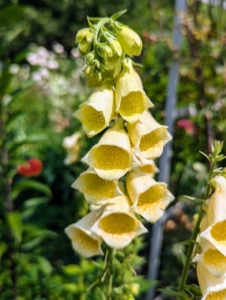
130,41
216,209
212,288
131,100
96,113
111,158
95,189
70,143
216,235
118,225
148,136
149,197
147,165
85,242
214,261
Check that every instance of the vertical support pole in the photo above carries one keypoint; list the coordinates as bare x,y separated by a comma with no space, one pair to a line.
171,100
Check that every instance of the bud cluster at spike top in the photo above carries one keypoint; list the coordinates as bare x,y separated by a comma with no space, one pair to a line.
211,263
127,149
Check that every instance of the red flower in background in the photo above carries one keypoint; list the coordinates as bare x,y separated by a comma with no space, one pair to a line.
187,125
33,167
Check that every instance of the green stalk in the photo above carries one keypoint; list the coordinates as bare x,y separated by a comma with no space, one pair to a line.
194,234
99,26
109,279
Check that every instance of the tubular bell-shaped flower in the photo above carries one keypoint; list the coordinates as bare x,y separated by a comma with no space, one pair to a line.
96,113
111,158
95,189
131,100
129,40
212,288
214,261
216,235
85,242
118,225
216,209
149,198
147,165
148,136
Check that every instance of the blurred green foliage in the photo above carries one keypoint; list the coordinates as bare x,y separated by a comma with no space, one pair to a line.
41,85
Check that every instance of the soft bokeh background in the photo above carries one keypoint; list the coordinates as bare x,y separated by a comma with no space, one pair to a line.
42,84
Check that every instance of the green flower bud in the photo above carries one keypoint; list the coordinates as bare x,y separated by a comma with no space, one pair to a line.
130,41
135,288
90,58
84,39
84,34
115,45
104,50
84,48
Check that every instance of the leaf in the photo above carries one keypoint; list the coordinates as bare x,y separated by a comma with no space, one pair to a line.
72,270
11,35
44,265
15,223
5,81
11,15
183,258
119,14
71,287
206,156
3,248
16,115
200,201
168,292
30,184
35,201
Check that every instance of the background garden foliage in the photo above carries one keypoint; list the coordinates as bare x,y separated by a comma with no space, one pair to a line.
42,84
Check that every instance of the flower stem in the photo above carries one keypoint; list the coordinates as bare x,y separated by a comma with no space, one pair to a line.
194,234
110,266
98,27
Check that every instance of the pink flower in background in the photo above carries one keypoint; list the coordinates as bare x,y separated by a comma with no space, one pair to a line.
33,167
187,125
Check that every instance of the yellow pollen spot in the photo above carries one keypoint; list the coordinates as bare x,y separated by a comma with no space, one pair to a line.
150,169
97,187
92,119
83,241
153,197
107,157
214,257
218,231
133,103
221,295
117,223
153,140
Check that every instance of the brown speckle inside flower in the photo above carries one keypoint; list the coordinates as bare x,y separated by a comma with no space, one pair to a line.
133,103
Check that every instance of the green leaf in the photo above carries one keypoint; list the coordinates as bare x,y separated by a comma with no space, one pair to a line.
16,115
119,14
11,15
44,265
5,80
72,270
183,258
15,223
3,248
200,201
11,35
30,184
71,287
35,201
168,292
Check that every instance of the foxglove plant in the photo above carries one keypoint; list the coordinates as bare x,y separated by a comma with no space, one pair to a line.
118,183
